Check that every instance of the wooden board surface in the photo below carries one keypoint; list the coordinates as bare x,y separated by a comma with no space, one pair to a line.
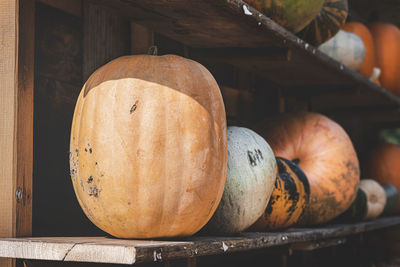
119,251
213,24
24,135
8,120
106,36
16,118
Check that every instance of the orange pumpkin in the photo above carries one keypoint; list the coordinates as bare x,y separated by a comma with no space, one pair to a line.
387,54
363,32
325,153
383,165
149,147
288,200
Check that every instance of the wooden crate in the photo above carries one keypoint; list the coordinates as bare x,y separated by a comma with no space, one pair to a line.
50,47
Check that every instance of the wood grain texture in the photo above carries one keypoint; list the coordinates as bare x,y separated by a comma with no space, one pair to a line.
106,36
16,120
223,23
8,114
142,39
25,117
111,250
58,81
73,7
8,118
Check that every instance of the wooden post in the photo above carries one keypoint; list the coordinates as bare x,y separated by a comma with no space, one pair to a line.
142,39
191,262
106,36
16,118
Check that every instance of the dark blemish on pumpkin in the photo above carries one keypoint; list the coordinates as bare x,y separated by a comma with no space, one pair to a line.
72,172
129,203
90,179
269,208
77,152
90,150
259,153
254,157
94,191
85,150
134,107
96,163
101,174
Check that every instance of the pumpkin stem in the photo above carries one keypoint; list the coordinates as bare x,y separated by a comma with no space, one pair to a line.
153,51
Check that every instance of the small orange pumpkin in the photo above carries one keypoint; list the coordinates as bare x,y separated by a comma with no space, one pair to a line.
288,200
363,32
387,54
383,165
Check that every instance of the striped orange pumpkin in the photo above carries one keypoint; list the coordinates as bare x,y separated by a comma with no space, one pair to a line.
288,200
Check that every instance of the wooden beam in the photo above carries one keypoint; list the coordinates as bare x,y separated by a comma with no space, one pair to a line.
106,36
24,135
16,119
8,111
309,246
240,55
123,251
142,39
73,7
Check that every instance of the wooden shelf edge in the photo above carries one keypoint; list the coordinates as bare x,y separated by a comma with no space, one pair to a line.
120,251
225,24
291,40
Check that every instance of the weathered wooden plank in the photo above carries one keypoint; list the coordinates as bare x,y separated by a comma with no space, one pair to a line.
224,23
142,39
8,118
73,7
240,56
16,119
58,46
36,250
58,81
24,135
118,251
105,36
308,246
101,254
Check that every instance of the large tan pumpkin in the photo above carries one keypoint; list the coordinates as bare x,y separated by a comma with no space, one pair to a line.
148,149
325,153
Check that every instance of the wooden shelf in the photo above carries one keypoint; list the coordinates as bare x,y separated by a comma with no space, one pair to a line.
233,32
119,251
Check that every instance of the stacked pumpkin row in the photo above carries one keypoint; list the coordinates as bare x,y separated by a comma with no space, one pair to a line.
151,156
374,51
313,184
